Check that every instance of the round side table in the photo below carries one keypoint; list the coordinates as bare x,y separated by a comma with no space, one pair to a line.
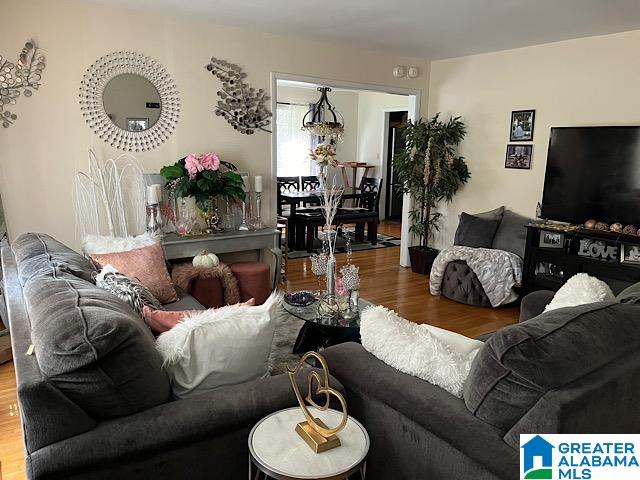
277,451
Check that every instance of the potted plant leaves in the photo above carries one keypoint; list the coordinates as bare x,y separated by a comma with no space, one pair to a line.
430,171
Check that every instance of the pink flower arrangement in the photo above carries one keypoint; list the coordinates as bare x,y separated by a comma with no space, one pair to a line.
198,163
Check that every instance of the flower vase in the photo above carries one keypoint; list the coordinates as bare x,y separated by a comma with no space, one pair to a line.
328,308
185,220
322,176
211,216
354,297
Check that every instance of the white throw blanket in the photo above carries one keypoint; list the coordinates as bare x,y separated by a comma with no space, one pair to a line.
497,270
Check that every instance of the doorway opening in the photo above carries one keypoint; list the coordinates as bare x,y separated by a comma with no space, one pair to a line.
393,122
372,115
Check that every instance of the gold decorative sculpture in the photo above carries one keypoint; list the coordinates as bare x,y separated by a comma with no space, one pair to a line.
313,431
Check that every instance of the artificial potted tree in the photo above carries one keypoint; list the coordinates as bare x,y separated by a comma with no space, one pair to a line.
430,171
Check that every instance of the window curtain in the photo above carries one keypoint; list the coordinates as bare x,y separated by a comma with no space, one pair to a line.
293,143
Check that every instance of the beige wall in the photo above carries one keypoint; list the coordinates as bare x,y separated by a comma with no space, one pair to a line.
371,110
590,81
39,155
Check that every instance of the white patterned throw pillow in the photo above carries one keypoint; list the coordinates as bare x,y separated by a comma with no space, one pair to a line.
438,356
579,290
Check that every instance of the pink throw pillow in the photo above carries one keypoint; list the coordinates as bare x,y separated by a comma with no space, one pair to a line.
147,265
161,321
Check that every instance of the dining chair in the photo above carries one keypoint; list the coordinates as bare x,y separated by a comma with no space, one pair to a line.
286,185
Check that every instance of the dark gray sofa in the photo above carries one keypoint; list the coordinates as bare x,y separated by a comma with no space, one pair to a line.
71,410
574,370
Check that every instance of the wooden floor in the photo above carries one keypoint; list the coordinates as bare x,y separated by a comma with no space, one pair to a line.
383,282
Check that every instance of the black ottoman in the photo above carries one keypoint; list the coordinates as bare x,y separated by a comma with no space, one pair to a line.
461,284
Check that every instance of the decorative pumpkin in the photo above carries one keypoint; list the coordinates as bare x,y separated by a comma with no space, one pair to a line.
630,230
616,227
206,260
601,226
590,224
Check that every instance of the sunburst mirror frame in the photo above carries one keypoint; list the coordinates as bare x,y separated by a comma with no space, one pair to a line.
92,88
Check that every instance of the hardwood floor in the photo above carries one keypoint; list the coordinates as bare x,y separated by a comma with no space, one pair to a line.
11,451
383,282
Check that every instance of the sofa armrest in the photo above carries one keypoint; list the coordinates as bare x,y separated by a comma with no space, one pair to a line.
533,304
367,379
161,429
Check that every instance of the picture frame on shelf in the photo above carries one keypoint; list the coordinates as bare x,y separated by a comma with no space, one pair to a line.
521,126
518,156
549,239
630,254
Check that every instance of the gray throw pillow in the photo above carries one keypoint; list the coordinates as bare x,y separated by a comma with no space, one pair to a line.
520,363
511,235
130,291
495,214
475,231
38,254
93,347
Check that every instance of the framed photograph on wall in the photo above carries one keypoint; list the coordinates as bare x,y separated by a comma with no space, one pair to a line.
518,156
522,125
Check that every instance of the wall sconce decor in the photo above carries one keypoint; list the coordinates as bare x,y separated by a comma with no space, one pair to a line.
21,77
242,106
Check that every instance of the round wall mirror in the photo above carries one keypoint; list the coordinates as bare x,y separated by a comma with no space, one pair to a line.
132,102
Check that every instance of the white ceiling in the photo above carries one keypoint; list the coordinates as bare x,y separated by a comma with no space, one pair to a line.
430,29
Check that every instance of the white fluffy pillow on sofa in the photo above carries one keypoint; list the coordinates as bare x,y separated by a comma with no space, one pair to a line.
579,290
105,244
216,347
438,356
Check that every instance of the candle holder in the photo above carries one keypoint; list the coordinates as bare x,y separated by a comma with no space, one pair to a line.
257,222
153,225
244,226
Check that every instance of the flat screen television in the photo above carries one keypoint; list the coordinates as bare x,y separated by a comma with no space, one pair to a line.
593,172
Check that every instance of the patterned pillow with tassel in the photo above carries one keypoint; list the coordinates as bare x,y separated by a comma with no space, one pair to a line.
129,290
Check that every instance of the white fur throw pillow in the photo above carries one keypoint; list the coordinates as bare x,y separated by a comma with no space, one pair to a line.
104,244
430,353
581,289
216,347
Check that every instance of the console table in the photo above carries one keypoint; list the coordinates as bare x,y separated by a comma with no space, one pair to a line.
547,266
176,247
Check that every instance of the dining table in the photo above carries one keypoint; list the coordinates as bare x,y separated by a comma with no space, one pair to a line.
294,199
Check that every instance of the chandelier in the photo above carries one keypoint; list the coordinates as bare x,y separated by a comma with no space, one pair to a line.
322,119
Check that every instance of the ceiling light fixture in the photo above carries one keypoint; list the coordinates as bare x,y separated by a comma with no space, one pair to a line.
322,119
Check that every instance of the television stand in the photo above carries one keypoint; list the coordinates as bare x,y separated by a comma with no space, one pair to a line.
555,252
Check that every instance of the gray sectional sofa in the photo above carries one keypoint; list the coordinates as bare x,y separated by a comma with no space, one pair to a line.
94,400
573,370
95,403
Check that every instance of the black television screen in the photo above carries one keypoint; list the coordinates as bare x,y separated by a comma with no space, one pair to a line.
593,172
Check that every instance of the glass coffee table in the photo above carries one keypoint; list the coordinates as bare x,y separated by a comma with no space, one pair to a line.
320,332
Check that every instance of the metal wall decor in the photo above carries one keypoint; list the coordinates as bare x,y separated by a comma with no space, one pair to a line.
322,119
242,106
21,77
92,88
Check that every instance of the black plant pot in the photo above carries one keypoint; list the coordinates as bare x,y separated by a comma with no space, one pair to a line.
422,259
